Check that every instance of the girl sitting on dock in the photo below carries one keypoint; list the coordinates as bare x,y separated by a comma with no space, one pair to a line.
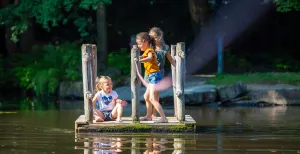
107,106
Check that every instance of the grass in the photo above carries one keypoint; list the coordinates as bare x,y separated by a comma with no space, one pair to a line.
256,78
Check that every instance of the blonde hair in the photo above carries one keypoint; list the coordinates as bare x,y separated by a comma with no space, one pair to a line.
99,82
159,33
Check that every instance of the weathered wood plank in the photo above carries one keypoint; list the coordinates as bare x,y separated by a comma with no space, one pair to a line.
86,77
135,84
180,72
173,68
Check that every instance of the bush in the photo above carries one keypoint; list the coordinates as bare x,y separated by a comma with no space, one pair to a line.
45,67
120,60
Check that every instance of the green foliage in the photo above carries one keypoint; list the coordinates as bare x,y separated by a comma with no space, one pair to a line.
256,78
120,60
287,5
284,62
49,13
36,104
233,61
44,68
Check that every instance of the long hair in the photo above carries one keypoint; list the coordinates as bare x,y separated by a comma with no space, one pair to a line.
159,33
145,37
99,82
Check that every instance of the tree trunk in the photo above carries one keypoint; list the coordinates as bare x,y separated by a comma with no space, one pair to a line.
101,35
198,10
10,46
27,39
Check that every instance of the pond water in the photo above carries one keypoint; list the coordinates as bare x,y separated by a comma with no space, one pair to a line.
220,130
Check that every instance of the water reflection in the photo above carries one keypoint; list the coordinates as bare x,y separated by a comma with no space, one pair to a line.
136,143
107,145
220,130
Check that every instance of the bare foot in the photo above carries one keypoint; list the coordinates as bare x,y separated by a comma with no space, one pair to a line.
119,120
99,119
153,116
161,120
145,118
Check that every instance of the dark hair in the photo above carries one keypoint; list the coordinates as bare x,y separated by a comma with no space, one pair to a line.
145,37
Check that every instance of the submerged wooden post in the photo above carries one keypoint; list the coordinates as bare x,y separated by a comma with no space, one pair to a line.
173,54
180,73
179,145
88,147
88,77
135,84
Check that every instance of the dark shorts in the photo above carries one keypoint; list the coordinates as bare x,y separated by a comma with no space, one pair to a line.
107,116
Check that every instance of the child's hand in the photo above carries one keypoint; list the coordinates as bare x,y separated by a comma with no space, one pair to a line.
123,103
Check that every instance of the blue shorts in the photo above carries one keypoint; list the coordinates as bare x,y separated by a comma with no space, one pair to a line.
107,116
153,78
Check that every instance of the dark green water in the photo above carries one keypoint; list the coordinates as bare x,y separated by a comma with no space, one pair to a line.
220,130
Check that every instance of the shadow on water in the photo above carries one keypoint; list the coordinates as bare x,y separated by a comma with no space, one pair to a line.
219,130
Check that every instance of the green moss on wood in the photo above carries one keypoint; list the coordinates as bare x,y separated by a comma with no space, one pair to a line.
139,128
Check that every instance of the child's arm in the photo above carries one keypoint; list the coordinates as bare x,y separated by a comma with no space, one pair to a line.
171,60
94,102
147,59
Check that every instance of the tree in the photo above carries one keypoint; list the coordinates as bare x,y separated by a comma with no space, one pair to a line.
199,10
48,13
287,5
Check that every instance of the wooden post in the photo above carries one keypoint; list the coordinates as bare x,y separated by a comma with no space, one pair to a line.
180,73
173,54
88,81
135,84
94,69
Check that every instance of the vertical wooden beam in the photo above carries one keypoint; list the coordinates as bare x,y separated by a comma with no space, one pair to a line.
86,78
173,54
180,73
94,68
135,84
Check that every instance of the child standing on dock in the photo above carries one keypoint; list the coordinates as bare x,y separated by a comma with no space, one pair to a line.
147,44
162,50
107,106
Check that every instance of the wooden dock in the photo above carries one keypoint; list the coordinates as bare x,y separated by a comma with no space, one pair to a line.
127,125
180,122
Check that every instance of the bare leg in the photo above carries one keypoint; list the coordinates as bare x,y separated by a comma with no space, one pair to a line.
154,110
154,101
148,106
99,117
117,112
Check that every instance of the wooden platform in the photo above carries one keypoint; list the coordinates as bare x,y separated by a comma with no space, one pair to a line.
127,125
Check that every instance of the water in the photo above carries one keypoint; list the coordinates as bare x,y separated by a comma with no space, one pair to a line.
219,130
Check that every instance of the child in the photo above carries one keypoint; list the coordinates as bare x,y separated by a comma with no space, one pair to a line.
146,44
162,50
109,106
